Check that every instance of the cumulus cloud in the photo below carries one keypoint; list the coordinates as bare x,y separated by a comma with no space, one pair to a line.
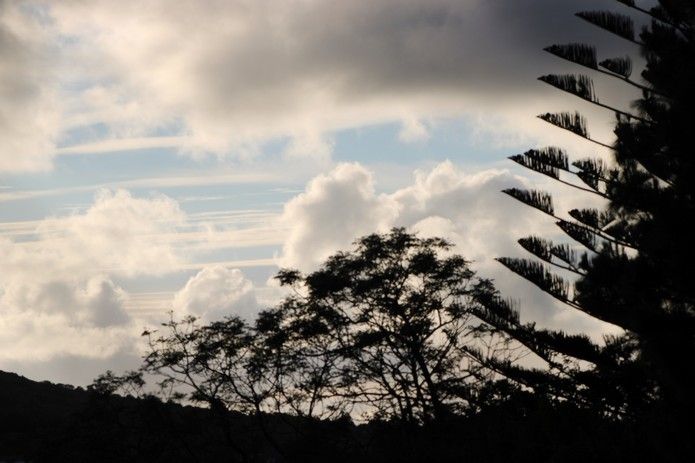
343,204
118,232
58,291
215,292
334,209
41,319
483,218
96,302
27,337
466,208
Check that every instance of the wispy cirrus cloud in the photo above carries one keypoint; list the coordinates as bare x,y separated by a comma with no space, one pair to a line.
206,179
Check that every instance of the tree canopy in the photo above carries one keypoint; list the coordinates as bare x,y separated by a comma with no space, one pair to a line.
631,260
388,330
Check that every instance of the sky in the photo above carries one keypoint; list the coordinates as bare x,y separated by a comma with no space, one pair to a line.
162,156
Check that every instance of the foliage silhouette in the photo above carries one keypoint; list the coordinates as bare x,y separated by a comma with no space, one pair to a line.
394,323
633,266
387,331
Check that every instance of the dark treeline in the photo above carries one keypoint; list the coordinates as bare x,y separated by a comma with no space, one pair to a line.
397,351
45,422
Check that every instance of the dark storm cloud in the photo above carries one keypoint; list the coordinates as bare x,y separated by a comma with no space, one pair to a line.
365,48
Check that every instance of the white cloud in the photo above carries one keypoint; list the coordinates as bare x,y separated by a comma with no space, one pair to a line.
342,205
215,292
413,131
466,208
118,234
334,209
95,302
57,291
45,318
27,337
29,113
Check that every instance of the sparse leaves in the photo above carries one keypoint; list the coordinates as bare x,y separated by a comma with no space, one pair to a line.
574,122
537,199
616,23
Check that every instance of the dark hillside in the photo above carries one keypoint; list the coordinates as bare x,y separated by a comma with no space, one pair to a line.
44,422
31,411
41,421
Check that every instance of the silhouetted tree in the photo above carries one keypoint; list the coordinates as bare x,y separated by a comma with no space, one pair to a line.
632,265
219,364
388,329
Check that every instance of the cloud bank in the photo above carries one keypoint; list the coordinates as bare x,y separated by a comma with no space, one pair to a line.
229,76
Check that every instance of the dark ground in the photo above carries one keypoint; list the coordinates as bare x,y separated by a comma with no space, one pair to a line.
45,422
